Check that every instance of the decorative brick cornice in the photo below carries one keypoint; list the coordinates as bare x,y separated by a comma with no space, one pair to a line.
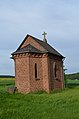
45,55
32,55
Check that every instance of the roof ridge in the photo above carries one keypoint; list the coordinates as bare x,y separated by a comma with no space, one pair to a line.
46,44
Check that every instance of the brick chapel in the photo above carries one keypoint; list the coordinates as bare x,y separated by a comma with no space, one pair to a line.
38,66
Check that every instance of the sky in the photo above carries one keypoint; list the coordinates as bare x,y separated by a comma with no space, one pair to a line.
58,18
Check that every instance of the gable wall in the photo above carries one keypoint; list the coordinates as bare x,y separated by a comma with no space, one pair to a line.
31,41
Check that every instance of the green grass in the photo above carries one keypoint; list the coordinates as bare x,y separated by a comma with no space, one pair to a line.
60,105
72,83
5,83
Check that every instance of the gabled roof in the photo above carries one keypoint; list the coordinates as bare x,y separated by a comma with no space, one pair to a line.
30,48
48,48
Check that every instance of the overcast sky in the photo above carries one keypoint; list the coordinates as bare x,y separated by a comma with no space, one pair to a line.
59,18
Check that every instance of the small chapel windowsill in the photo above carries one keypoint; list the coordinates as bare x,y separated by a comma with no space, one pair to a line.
37,79
57,79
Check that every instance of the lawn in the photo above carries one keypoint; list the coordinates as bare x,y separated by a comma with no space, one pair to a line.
72,83
58,105
5,83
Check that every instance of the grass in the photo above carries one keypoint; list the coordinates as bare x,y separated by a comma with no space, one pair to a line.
60,105
5,83
72,83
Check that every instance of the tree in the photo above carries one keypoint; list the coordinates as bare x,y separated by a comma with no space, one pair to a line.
65,79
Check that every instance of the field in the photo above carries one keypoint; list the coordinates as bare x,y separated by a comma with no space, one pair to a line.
57,105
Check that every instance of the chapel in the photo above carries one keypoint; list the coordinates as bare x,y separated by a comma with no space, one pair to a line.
38,66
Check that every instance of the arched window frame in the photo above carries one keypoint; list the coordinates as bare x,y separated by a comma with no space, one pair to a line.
56,70
36,71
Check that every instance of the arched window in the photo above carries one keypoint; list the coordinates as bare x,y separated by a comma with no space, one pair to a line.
55,71
35,70
55,67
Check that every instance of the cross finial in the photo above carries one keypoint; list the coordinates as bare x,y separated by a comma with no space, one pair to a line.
44,34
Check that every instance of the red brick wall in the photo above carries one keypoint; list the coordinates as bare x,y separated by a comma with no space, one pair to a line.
25,73
22,74
36,84
46,73
59,82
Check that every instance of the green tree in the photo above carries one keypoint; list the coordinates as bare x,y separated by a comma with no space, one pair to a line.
65,79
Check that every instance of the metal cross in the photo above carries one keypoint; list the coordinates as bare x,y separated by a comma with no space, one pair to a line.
44,35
